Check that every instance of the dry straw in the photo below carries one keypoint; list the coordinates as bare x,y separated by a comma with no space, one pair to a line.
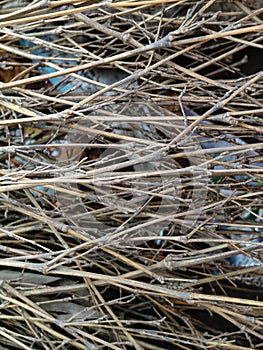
131,175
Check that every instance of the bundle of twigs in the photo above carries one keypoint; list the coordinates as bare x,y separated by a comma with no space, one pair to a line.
131,174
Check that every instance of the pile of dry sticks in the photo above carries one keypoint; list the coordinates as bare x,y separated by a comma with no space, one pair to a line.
131,174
